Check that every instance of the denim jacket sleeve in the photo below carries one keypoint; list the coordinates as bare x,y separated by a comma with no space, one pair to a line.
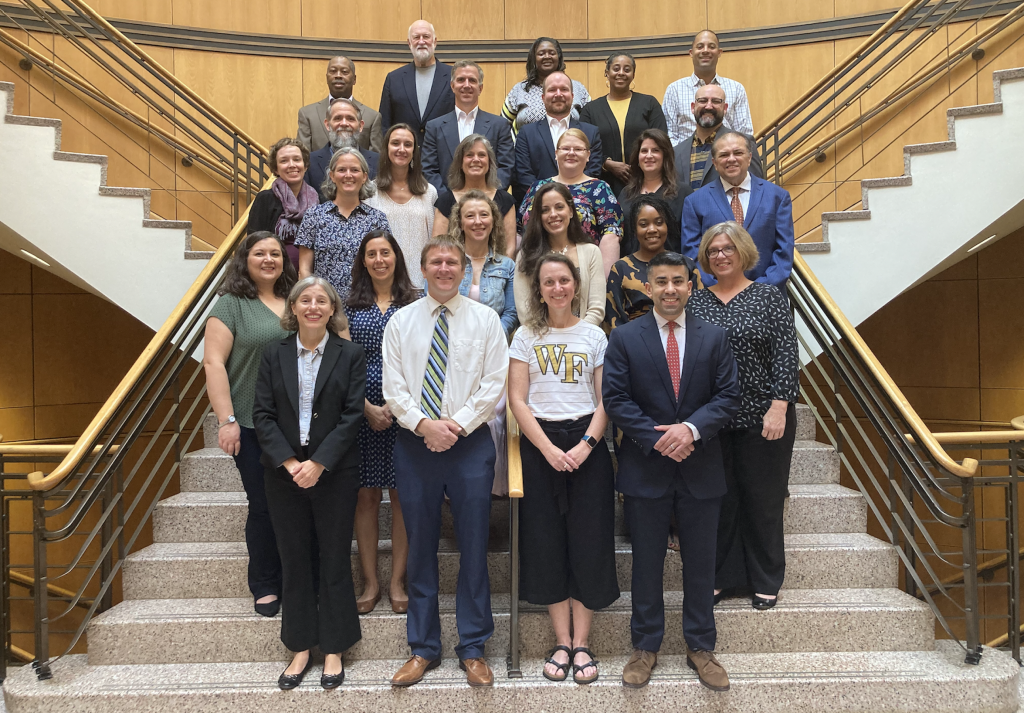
509,318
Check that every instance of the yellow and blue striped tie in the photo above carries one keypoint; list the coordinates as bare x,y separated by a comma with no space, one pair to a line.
437,363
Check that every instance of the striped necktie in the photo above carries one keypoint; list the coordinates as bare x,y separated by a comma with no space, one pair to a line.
437,363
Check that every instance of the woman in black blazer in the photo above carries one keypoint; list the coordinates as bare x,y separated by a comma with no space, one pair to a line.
279,209
620,117
309,407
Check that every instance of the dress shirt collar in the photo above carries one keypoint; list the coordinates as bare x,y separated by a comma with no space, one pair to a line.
744,186
698,82
360,206
469,116
558,123
453,304
661,321
698,143
319,347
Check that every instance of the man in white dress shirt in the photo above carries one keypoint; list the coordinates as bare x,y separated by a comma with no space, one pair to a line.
445,133
445,362
680,94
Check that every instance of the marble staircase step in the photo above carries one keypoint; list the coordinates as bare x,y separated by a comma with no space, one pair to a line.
882,682
226,630
220,516
218,569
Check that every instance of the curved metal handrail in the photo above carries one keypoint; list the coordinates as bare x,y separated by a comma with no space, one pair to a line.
84,445
919,430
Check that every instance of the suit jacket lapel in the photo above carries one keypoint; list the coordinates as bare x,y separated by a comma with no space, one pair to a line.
691,352
723,200
549,144
409,80
652,338
332,350
450,130
321,111
756,193
441,80
290,371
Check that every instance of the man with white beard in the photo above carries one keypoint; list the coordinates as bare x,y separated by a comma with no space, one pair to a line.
419,91
344,122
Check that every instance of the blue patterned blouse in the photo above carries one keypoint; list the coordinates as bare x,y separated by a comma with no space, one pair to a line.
335,240
596,206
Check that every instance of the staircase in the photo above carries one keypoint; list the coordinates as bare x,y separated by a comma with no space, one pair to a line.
953,196
58,208
842,637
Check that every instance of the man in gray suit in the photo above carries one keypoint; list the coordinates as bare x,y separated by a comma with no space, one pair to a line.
341,77
694,166
444,133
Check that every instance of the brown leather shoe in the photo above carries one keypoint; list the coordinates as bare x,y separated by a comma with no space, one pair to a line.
365,607
709,671
637,672
478,673
412,672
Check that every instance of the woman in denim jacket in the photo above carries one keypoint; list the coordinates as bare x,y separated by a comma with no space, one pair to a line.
476,223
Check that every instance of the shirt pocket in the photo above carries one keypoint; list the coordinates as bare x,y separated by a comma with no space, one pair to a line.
467,355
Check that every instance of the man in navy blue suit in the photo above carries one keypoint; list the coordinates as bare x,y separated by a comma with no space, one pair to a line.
344,122
419,91
670,383
535,144
444,134
762,208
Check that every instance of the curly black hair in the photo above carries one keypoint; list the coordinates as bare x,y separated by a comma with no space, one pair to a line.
531,62
238,282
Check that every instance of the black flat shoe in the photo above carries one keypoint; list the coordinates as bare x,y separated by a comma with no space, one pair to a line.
761,604
268,609
287,682
332,680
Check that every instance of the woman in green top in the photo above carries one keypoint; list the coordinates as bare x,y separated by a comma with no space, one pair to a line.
244,320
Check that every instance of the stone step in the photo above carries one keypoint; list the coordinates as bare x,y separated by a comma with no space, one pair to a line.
220,516
882,682
226,630
218,569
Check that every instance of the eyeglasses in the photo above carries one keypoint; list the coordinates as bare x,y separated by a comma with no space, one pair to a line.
705,100
572,149
727,251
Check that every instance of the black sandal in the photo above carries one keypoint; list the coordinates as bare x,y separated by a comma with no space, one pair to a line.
576,669
563,667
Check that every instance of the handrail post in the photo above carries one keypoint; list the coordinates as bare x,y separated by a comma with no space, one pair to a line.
1013,551
972,613
513,641
107,566
39,594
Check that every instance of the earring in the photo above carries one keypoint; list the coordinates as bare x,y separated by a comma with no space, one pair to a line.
631,85
607,84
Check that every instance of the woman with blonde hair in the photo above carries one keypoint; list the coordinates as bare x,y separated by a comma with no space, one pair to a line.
475,168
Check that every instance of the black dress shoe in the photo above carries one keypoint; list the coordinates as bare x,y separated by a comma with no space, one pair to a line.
332,680
268,608
761,603
287,682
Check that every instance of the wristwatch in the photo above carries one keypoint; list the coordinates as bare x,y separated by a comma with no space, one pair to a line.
230,419
590,441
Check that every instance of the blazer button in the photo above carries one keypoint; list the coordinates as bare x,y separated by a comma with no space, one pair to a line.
315,415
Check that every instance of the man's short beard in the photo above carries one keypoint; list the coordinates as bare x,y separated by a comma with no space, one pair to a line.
422,55
715,121
341,139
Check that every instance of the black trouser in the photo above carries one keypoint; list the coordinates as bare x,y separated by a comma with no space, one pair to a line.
567,523
329,508
751,547
264,562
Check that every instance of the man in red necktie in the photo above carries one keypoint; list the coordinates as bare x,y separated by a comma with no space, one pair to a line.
670,383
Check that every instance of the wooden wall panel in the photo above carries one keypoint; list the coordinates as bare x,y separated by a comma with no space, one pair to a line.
271,17
465,19
613,18
858,7
366,20
15,348
734,14
530,19
493,94
145,11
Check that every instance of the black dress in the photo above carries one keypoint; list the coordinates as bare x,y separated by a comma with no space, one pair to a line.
630,245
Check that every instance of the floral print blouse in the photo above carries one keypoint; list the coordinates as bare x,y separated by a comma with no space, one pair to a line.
596,206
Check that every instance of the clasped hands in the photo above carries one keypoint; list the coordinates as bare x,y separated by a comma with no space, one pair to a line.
439,435
305,473
569,460
676,441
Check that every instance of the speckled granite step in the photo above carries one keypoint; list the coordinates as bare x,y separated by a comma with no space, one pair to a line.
218,569
897,682
224,630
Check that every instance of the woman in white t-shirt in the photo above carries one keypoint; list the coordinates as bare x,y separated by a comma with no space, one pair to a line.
567,514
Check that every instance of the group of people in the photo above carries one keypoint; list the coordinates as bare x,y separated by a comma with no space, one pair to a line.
615,266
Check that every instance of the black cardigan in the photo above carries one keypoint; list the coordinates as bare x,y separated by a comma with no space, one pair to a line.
644,113
265,212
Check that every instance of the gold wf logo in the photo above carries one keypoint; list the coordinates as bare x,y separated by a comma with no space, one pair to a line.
555,358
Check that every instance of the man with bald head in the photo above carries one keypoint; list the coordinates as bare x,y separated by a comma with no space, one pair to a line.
694,166
704,53
421,90
341,77
535,144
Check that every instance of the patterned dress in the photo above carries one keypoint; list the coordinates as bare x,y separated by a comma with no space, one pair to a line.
334,240
367,328
627,298
763,340
596,206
